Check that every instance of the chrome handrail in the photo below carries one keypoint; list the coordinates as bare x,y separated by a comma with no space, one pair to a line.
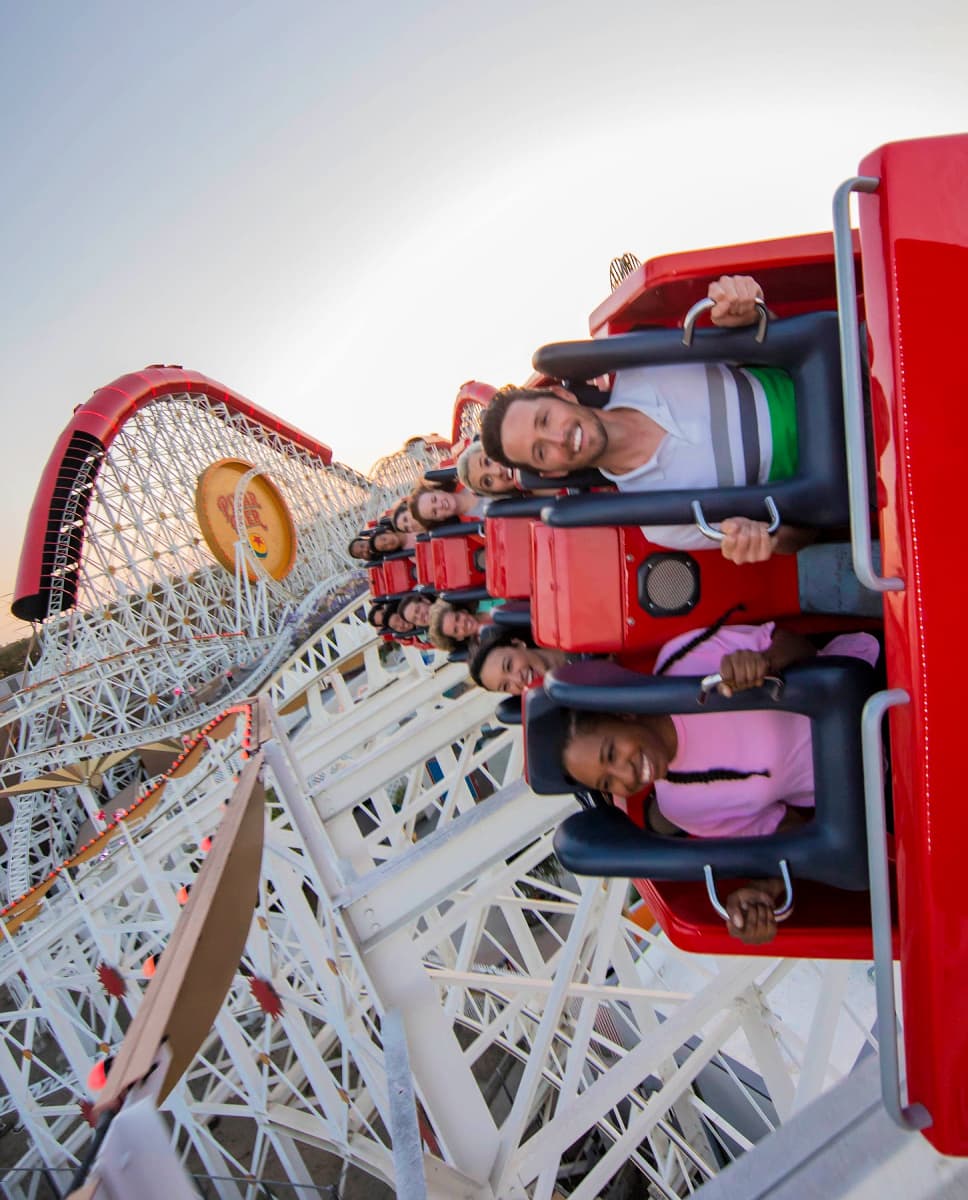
912,1116
854,433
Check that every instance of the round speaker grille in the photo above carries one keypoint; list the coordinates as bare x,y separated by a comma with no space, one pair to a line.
669,584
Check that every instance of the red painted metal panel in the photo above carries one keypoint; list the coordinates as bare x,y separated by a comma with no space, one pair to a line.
577,588
509,557
454,565
111,405
377,580
797,275
424,558
825,923
397,576
585,591
914,237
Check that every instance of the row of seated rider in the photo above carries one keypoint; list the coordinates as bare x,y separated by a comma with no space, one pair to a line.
746,539
524,666
431,505
754,904
403,620
424,619
440,502
514,664
404,616
750,542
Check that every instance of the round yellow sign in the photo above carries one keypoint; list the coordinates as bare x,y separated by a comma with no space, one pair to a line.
268,525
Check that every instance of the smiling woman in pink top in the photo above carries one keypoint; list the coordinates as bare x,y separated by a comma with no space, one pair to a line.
723,774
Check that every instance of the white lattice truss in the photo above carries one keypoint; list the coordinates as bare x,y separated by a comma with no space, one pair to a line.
554,1042
408,882
470,419
157,624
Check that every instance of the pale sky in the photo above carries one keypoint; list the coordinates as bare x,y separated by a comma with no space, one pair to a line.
343,211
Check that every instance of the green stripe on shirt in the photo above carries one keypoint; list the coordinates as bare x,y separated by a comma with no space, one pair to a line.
782,405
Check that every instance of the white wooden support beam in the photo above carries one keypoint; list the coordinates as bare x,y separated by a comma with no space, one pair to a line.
319,745
414,743
404,1130
639,1062
398,892
823,1029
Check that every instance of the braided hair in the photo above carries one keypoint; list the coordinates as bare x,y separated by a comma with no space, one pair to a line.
714,774
582,722
702,636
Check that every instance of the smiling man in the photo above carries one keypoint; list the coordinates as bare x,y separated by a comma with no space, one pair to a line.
680,426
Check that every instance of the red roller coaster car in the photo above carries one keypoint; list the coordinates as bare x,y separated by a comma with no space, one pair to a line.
911,255
892,284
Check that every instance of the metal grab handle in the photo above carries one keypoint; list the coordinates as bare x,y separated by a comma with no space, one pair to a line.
704,305
856,442
720,908
913,1116
717,535
709,682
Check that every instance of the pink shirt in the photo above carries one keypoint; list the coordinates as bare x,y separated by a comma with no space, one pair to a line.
777,742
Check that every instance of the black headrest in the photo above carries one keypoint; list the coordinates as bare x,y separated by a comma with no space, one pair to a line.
470,595
441,475
457,528
580,480
508,712
514,614
516,506
587,394
546,727
545,732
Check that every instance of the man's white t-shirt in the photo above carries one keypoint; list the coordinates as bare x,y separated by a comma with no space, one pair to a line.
718,434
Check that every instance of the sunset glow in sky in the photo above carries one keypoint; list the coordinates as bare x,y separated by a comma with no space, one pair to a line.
343,211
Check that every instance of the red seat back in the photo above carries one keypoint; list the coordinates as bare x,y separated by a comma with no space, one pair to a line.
390,578
454,563
508,570
424,563
588,587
